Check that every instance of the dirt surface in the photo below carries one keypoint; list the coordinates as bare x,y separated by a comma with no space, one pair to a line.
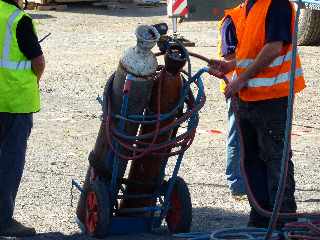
81,53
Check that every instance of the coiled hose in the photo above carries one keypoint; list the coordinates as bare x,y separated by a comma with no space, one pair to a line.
137,146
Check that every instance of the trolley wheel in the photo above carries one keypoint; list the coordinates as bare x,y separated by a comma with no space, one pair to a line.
98,209
179,216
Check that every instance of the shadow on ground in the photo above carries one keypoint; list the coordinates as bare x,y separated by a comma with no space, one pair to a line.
209,219
41,16
53,235
204,220
124,10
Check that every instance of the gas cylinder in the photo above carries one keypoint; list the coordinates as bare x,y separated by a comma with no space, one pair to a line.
141,64
146,170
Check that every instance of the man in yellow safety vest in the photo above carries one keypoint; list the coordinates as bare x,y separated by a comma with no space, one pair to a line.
21,67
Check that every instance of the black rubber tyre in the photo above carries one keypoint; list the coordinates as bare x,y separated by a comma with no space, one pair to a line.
97,210
309,27
179,216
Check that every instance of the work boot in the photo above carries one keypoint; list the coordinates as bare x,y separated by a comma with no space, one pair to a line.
16,229
257,221
254,224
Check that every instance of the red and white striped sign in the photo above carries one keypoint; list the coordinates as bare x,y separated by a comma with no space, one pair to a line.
178,8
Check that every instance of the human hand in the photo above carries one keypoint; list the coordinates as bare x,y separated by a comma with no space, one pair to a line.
218,68
234,87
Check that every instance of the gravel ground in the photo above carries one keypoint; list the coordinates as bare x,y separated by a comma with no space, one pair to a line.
82,52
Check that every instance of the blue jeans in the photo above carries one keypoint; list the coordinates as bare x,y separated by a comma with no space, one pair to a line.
233,173
14,133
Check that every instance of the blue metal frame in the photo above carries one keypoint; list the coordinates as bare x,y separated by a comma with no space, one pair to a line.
126,225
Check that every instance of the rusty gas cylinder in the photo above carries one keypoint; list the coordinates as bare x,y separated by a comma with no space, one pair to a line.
141,64
146,170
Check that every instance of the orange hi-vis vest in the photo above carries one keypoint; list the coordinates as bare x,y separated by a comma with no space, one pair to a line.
234,13
273,81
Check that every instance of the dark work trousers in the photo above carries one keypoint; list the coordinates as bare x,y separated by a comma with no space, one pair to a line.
14,133
262,125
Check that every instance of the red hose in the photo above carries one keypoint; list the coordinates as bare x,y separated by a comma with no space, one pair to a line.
127,146
251,196
303,230
183,141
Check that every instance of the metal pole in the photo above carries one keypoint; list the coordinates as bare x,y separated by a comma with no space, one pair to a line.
288,129
175,25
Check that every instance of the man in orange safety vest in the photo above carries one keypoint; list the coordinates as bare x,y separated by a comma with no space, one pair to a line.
261,81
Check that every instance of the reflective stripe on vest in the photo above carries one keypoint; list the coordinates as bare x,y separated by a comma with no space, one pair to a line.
23,65
8,36
5,62
268,82
277,62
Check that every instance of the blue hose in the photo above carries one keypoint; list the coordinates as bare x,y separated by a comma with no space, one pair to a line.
230,233
243,233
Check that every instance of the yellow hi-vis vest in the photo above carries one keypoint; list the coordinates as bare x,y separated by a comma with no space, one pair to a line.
234,13
19,91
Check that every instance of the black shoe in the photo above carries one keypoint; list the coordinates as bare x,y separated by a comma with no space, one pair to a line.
252,224
16,229
256,220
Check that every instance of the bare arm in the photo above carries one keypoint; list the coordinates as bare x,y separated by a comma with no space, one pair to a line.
219,68
267,54
38,66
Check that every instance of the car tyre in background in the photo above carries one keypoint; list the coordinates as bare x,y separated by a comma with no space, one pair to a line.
309,28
